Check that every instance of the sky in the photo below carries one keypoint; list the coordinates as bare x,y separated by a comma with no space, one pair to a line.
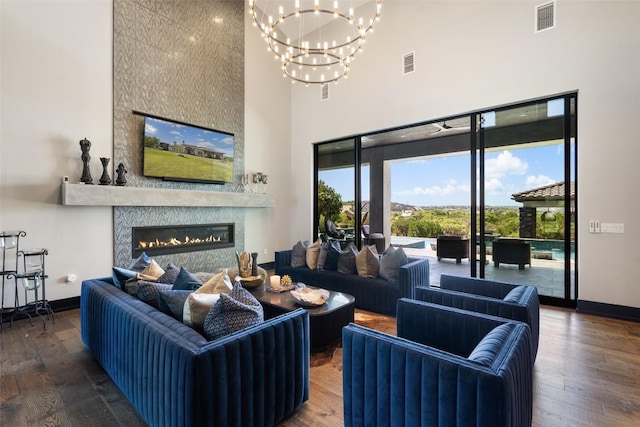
170,132
445,180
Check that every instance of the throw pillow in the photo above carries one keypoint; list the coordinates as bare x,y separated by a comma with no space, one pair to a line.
390,262
172,301
140,263
515,294
233,312
313,250
149,291
489,346
328,251
347,260
299,254
196,307
151,272
170,274
219,283
121,275
367,262
186,281
131,286
331,262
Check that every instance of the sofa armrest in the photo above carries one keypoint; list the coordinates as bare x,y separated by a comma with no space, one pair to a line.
413,274
474,285
282,259
389,380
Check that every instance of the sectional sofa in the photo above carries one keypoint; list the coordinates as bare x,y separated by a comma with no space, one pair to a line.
372,294
173,376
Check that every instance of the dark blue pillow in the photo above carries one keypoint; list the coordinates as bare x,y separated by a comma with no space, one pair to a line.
186,281
332,257
121,275
172,302
489,346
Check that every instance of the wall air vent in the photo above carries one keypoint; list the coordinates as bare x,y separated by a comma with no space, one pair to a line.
409,63
324,91
545,16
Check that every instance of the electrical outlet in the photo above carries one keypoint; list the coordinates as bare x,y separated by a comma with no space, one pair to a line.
264,251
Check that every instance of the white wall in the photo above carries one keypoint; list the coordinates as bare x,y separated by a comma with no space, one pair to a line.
56,87
267,145
477,54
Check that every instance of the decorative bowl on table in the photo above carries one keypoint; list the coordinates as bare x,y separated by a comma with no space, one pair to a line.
250,282
308,297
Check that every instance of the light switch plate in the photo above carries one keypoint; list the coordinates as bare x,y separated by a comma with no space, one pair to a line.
597,226
592,226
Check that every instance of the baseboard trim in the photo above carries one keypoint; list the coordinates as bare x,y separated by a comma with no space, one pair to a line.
65,304
609,310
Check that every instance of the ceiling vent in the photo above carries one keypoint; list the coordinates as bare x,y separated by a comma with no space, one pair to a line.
545,16
409,63
324,92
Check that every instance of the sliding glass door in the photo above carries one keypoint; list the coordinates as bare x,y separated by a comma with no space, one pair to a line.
526,196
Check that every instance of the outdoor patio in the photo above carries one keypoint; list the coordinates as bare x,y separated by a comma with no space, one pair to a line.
546,275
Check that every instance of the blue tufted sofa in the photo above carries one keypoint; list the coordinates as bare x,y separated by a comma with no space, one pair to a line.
446,367
372,294
516,302
174,377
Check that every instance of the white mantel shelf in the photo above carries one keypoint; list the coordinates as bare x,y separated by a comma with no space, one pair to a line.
110,195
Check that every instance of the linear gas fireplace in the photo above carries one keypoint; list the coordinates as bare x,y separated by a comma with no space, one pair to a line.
171,239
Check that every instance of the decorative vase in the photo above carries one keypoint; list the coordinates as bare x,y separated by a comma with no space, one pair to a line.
85,146
244,264
254,263
105,179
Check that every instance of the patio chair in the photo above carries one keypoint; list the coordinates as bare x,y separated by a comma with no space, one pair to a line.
452,247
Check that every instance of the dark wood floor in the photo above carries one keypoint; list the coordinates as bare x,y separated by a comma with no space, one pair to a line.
587,374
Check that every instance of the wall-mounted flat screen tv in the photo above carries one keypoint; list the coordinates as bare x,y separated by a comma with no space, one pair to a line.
177,151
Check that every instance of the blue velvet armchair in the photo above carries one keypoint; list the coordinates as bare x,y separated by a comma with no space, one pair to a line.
446,367
516,302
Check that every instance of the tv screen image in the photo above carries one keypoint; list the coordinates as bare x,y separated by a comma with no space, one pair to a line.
177,151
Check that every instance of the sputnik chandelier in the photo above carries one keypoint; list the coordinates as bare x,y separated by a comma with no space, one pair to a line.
315,40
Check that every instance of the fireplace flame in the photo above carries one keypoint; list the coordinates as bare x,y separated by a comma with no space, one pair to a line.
172,241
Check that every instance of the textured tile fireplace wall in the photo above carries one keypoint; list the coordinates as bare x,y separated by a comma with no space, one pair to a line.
182,60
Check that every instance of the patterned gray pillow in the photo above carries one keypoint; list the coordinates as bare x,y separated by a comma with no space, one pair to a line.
150,291
233,312
170,274
299,254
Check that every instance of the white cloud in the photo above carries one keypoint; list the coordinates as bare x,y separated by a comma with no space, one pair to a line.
150,129
493,185
505,164
449,188
175,132
539,181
